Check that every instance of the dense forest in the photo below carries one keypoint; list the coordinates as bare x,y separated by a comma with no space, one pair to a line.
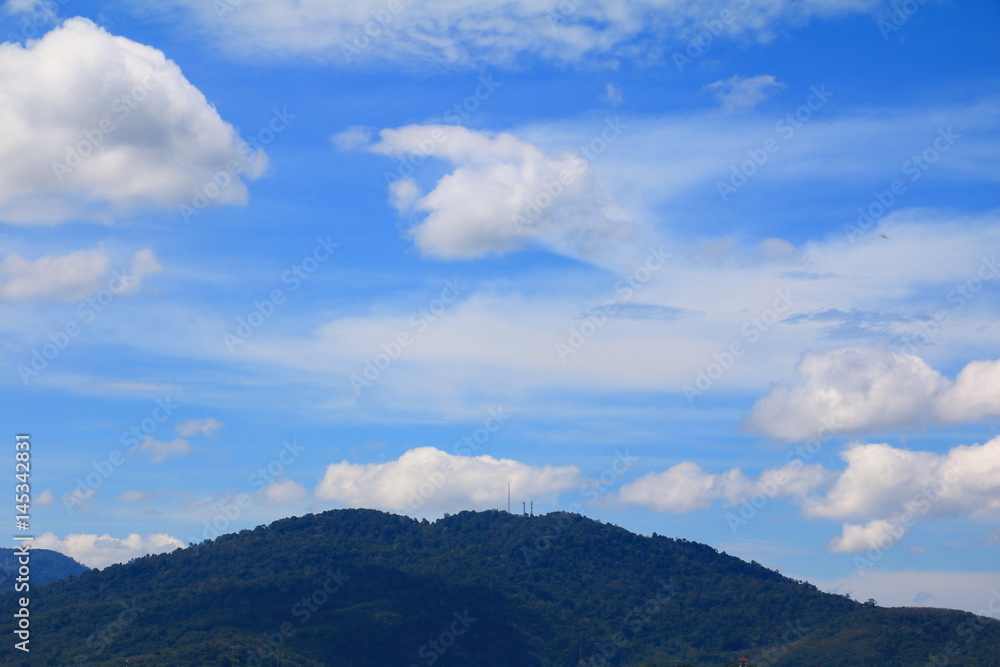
365,588
46,566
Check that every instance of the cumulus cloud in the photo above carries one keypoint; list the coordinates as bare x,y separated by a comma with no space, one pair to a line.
123,130
44,499
282,491
469,32
160,451
867,389
71,277
738,93
189,427
892,489
975,395
888,489
855,538
101,551
503,194
686,487
428,479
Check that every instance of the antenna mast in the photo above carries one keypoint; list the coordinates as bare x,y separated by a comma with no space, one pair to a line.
508,497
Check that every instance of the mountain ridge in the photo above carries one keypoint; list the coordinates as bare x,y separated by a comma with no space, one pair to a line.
365,587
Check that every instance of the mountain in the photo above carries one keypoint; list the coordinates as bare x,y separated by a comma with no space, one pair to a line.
46,566
366,588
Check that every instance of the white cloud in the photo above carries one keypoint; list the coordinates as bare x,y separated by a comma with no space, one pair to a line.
13,7
965,480
687,488
44,499
352,138
862,389
501,340
189,427
503,194
614,95
428,479
144,263
879,533
738,93
123,130
893,489
101,551
890,489
284,491
135,496
71,277
160,450
468,32
975,395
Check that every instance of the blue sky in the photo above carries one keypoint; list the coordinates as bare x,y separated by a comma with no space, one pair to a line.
716,270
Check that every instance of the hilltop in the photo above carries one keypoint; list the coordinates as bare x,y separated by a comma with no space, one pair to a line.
46,566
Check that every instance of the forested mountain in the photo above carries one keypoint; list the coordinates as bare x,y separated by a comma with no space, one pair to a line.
46,566
365,588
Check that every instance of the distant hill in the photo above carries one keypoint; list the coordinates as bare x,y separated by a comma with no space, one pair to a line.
46,566
365,588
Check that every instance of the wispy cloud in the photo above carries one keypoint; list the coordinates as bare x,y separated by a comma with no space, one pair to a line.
738,93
